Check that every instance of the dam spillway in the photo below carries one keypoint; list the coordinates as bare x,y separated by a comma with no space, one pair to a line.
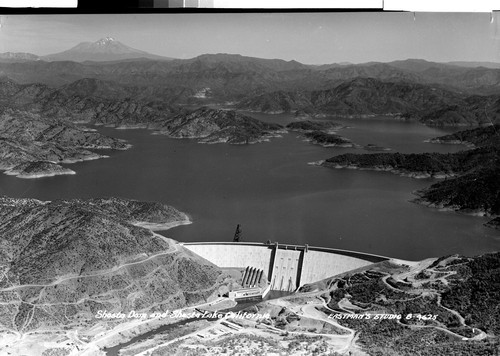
287,267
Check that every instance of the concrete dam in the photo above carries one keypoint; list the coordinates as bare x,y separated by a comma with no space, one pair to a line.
287,267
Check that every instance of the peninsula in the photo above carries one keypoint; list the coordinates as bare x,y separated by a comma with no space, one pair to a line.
35,146
472,184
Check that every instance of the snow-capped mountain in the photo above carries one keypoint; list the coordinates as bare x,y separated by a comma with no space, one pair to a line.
105,49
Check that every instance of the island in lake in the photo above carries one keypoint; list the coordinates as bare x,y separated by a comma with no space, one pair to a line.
219,126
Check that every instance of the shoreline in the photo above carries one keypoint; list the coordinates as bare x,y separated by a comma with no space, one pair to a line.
205,140
78,160
41,175
126,147
317,163
132,127
164,226
328,145
480,213
402,173
454,208
322,115
450,142
375,148
19,173
332,131
8,170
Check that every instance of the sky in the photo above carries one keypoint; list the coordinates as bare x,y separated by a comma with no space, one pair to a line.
311,38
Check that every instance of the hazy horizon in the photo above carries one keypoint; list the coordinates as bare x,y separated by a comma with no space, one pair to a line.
310,38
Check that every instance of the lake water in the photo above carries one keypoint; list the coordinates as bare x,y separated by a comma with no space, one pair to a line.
274,194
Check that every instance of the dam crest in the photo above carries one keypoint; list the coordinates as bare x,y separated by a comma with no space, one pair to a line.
286,266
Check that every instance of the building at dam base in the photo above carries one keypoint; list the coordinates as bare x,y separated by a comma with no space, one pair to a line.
287,267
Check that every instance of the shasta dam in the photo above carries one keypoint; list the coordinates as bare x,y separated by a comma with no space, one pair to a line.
287,267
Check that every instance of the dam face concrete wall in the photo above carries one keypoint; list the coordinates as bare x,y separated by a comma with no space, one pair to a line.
234,255
287,267
286,272
319,265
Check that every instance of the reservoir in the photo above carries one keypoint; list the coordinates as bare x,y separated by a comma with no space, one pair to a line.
271,190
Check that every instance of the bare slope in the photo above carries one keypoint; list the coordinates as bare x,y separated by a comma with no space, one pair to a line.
62,261
447,306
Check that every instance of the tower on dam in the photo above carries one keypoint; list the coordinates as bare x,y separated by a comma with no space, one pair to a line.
287,267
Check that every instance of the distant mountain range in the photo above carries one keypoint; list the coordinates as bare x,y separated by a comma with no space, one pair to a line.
476,64
110,59
111,103
18,57
369,97
105,49
110,83
109,49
